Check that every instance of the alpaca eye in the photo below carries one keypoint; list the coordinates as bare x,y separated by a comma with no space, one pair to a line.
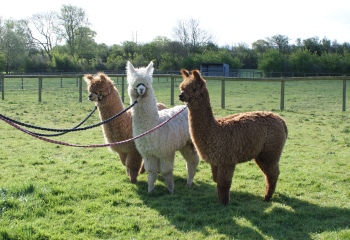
194,89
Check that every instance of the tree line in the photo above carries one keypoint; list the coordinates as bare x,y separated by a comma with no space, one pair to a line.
64,42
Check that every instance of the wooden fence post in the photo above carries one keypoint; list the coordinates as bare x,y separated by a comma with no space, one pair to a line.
344,95
223,94
122,89
2,88
80,89
172,91
40,88
282,95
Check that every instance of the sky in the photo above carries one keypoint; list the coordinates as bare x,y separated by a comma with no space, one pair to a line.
229,22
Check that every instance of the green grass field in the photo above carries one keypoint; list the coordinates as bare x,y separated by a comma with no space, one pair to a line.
49,191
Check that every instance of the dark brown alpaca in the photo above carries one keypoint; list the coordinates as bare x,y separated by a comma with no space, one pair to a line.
227,141
106,96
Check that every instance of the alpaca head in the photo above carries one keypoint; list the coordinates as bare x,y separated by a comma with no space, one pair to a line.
192,85
98,86
139,80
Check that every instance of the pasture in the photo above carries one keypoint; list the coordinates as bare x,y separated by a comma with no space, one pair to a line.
50,191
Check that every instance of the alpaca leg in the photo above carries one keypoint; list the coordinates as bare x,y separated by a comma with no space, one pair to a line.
214,171
189,153
133,164
151,166
166,169
122,157
142,167
269,166
224,181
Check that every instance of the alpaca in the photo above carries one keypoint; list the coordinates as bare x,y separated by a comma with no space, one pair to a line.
106,97
226,141
158,147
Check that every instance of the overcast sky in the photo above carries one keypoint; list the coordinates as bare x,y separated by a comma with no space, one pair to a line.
230,22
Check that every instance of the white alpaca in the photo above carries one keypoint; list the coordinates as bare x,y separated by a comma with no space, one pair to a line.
158,147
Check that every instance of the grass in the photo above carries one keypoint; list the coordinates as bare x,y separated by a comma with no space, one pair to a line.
49,191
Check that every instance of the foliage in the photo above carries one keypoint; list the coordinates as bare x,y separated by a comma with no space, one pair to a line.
272,61
331,62
66,62
303,60
36,63
13,45
68,32
346,62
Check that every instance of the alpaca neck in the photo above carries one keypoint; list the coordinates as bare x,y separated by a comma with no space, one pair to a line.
201,117
145,113
110,105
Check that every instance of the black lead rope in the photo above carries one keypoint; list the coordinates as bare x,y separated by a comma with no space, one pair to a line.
67,130
64,131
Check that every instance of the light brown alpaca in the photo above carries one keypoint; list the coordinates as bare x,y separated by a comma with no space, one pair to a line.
227,141
106,97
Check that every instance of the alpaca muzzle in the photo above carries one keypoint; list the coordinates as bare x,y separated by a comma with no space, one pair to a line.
182,96
94,97
140,89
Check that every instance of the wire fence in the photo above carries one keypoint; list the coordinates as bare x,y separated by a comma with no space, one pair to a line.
226,89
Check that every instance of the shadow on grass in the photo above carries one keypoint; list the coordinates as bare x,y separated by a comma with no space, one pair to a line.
196,208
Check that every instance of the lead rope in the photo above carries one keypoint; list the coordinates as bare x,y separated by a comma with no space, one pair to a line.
92,145
64,131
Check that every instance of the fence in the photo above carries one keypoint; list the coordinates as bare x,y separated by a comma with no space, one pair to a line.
173,77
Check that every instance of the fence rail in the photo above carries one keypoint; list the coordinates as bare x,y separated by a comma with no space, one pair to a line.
173,77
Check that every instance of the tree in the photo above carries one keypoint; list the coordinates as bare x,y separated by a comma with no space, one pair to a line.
115,59
331,62
271,61
174,53
346,62
102,52
130,49
155,50
73,27
303,60
191,35
86,46
14,44
260,46
279,42
313,45
45,34
247,56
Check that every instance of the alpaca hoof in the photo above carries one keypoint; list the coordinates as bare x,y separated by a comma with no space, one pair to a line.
133,180
224,195
267,198
224,201
150,189
133,176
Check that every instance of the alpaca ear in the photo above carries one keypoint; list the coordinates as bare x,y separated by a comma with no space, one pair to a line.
149,68
88,78
184,73
198,77
129,68
103,77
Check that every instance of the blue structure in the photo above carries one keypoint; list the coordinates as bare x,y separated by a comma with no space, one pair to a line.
215,69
